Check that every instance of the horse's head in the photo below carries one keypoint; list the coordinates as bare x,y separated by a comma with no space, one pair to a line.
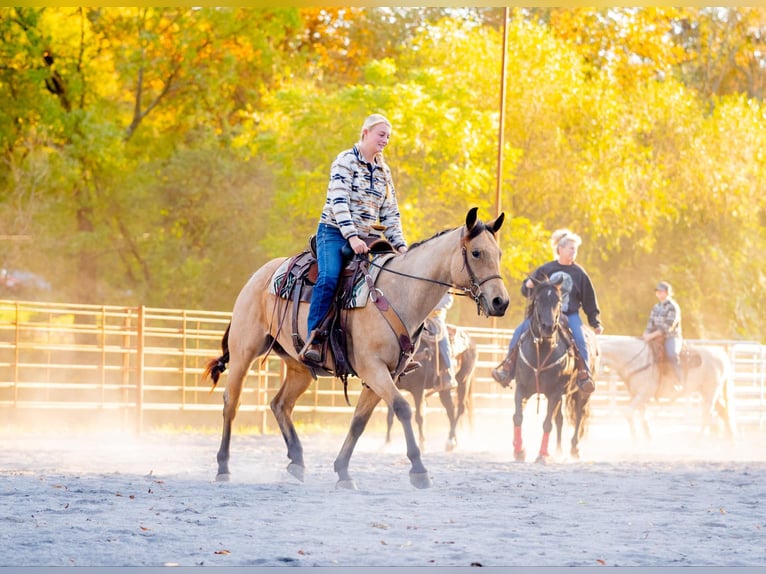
545,301
481,262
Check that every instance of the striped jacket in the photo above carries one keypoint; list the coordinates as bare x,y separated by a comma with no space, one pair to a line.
361,194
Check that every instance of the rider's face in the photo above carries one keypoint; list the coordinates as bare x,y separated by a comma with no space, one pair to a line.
567,253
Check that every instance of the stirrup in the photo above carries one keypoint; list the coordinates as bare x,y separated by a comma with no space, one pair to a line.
585,382
411,366
311,353
502,375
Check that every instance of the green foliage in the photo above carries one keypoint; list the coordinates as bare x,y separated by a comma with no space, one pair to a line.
160,155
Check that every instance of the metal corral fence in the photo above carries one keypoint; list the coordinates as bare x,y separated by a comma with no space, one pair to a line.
141,366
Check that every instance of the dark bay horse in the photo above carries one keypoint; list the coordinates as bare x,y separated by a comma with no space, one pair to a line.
633,361
421,381
546,367
464,259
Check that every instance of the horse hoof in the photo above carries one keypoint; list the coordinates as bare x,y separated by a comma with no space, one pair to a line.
451,445
223,477
296,470
542,459
519,456
575,454
346,484
420,480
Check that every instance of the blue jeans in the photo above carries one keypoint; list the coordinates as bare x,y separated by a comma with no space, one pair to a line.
444,358
575,324
672,350
330,260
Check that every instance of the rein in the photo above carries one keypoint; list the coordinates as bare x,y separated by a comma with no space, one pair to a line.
634,372
474,290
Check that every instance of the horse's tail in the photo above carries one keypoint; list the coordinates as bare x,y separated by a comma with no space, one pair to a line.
217,366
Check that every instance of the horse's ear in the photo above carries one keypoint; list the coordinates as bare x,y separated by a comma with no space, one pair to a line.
558,280
496,224
471,219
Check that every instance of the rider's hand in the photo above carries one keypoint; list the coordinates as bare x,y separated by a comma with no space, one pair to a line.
358,245
599,330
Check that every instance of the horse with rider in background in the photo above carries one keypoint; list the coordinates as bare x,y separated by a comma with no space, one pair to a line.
427,380
648,376
546,366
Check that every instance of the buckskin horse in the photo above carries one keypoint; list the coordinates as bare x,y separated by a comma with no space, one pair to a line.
379,336
710,375
545,366
425,378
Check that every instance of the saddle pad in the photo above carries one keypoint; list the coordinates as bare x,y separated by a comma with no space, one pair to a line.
283,282
459,339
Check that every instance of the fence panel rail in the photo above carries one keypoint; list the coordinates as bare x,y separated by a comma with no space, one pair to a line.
140,360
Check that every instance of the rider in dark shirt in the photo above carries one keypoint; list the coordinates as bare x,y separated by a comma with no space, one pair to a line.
577,293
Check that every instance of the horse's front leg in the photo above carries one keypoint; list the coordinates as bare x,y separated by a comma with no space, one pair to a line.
518,416
365,406
297,380
554,407
636,409
419,477
446,399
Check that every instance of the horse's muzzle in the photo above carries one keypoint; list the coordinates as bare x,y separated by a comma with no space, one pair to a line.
495,307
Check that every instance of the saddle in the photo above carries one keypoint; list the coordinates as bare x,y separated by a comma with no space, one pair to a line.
688,357
294,281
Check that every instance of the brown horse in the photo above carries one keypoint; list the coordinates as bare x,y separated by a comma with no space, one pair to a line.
465,259
421,382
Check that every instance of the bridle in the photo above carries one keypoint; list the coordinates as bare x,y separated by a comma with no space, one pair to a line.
537,337
473,290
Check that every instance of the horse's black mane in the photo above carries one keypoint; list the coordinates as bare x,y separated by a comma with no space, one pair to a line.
478,228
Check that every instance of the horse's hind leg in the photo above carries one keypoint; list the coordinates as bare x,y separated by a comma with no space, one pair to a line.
389,424
518,416
553,410
446,399
559,420
297,379
234,382
419,399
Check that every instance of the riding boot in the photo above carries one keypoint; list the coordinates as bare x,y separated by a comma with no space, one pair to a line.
446,380
505,372
584,380
312,351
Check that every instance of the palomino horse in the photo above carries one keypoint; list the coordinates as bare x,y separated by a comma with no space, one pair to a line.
545,366
421,380
465,259
634,362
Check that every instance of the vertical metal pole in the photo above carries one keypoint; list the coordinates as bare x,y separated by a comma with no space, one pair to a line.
501,126
16,358
501,130
140,370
